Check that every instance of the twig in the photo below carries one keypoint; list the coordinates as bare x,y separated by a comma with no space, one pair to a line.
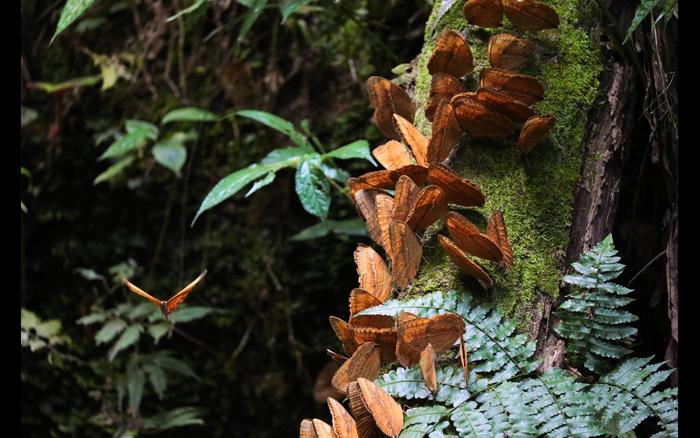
645,267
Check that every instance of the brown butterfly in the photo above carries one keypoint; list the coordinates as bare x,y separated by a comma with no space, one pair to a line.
386,179
413,138
427,367
504,104
323,389
406,252
458,190
530,15
470,239
414,334
451,55
442,87
429,205
534,131
463,261
483,13
509,52
315,429
166,306
375,411
479,121
393,155
388,99
445,133
344,425
365,362
496,230
404,198
374,276
522,87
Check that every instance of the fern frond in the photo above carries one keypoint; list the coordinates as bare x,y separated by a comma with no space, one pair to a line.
425,421
625,397
590,318
494,351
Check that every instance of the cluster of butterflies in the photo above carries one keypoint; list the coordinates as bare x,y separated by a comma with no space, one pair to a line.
423,189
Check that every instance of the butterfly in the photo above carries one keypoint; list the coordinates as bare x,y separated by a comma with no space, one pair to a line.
375,411
524,14
166,306
451,55
509,52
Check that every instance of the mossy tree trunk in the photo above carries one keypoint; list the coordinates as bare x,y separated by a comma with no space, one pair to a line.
562,198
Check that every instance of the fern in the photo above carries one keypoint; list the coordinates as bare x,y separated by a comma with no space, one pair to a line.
624,397
592,320
505,397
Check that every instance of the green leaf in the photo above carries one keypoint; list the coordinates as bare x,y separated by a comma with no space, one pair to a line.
189,114
171,154
176,365
92,318
28,319
315,231
129,337
176,418
158,380
313,190
261,183
187,10
234,182
114,169
52,87
254,11
71,11
283,154
356,149
28,115
137,133
644,9
190,313
135,380
158,330
89,274
278,124
288,7
109,331
334,173
139,311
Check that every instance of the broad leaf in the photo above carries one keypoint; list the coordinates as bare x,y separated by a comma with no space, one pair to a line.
129,337
114,169
278,124
158,330
109,331
171,154
176,365
135,380
158,379
190,313
71,11
137,133
267,180
233,183
356,149
189,114
313,190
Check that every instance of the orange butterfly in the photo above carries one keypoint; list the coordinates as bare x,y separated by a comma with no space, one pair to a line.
167,306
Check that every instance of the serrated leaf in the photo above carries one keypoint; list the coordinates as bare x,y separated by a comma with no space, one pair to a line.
171,154
158,330
135,380
176,365
276,123
267,180
28,319
189,114
356,149
158,379
176,418
109,331
130,336
71,11
92,318
191,313
313,190
254,11
114,169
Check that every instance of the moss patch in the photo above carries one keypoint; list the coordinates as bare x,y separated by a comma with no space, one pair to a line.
535,193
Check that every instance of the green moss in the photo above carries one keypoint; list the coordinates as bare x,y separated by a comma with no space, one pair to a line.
535,193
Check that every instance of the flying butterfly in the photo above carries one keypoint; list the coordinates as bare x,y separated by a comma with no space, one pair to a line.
166,306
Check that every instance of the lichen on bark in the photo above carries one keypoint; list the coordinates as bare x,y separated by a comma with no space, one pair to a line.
536,192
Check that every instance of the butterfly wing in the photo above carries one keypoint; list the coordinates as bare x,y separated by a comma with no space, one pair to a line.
178,298
143,294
